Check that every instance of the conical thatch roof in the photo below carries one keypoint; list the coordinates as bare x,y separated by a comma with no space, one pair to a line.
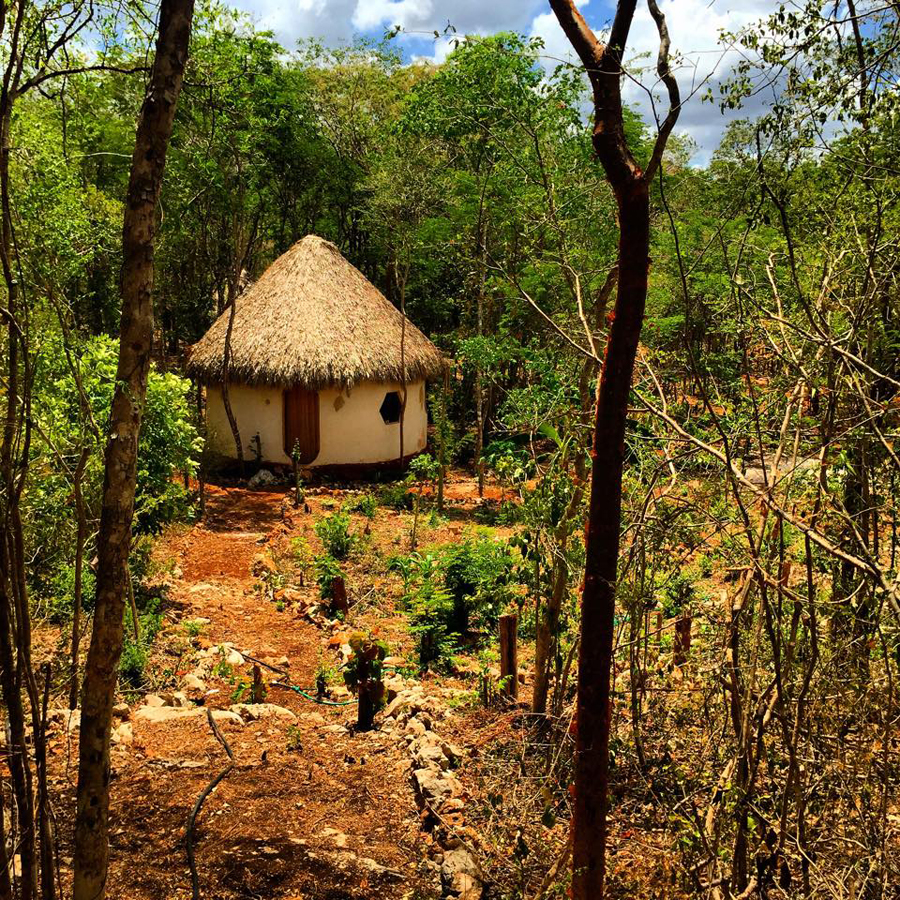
314,319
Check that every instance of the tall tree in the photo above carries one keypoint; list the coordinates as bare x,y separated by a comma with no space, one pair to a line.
114,541
631,187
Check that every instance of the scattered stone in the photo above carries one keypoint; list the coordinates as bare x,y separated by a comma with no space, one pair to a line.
234,658
262,564
193,683
70,719
432,787
263,478
461,875
123,735
156,714
251,712
154,700
121,711
199,621
338,837
414,728
428,752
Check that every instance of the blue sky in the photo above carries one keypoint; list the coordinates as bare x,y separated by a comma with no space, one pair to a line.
694,25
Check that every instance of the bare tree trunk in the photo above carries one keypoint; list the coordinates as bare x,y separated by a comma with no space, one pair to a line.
80,536
13,631
114,540
631,187
226,376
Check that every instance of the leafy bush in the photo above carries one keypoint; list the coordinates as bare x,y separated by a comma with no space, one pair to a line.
334,533
367,504
135,653
454,589
480,575
430,609
169,446
327,569
61,593
396,496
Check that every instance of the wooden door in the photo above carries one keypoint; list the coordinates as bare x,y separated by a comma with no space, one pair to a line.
301,423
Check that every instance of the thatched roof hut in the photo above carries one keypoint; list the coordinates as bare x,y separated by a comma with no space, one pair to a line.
314,319
317,370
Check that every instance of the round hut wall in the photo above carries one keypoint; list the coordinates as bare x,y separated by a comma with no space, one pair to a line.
353,428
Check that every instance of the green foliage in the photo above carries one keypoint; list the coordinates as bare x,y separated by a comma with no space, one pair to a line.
453,590
136,652
367,504
169,446
60,593
334,533
327,569
396,495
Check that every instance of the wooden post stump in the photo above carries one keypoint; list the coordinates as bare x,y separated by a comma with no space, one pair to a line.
339,602
681,648
658,627
509,656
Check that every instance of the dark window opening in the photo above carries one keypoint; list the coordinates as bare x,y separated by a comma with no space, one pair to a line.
390,408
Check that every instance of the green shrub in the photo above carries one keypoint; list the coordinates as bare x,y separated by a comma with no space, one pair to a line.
429,606
60,593
396,496
135,653
454,589
367,504
327,569
480,576
334,533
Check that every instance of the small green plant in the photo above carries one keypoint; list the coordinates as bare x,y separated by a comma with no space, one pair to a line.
299,489
367,504
193,628
396,495
294,739
327,569
241,689
334,533
138,641
424,469
303,558
223,669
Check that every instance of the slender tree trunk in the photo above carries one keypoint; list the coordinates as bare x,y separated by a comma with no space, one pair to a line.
13,633
630,185
602,549
80,536
226,379
114,540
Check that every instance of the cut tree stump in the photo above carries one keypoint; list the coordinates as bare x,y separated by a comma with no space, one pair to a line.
339,602
682,645
509,657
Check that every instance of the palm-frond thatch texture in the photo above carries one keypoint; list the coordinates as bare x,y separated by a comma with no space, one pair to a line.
313,319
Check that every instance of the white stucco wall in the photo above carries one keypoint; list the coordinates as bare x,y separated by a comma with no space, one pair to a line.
351,430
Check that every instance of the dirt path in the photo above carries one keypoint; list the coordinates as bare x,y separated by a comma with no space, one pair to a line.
310,810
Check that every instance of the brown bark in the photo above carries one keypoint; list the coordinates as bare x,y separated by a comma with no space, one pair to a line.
509,656
114,540
80,537
630,186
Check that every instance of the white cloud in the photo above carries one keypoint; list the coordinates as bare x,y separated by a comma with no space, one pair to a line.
695,27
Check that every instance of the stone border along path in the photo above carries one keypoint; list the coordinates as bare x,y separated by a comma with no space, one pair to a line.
410,716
